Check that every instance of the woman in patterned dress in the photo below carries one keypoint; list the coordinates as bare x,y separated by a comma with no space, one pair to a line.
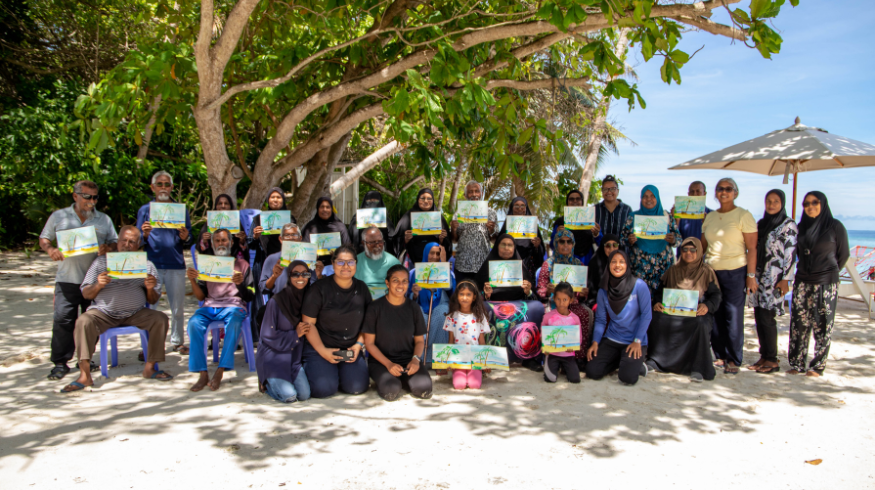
776,243
650,258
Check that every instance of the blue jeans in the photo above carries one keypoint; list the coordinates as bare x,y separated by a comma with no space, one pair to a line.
197,333
174,282
283,391
326,378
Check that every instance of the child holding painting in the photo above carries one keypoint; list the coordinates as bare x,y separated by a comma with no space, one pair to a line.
562,296
468,323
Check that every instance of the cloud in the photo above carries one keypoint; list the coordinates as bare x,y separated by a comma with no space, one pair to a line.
855,218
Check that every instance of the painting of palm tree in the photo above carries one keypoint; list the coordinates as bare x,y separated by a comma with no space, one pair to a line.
505,273
650,227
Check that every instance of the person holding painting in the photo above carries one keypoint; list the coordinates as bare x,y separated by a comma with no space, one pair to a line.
530,250
263,246
611,213
372,199
650,258
439,299
693,227
274,276
472,239
204,244
585,241
394,332
325,221
406,241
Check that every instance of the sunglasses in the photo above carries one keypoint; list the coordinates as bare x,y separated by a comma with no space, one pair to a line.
688,250
305,275
342,263
726,189
564,242
612,245
163,184
806,204
93,197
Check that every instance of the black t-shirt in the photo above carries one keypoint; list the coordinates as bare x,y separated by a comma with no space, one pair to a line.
394,328
338,312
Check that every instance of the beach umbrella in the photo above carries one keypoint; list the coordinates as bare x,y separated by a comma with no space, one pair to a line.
798,148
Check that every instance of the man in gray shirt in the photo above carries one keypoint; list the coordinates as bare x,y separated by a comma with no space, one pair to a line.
71,270
118,302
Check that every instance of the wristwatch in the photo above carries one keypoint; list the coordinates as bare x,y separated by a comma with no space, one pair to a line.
636,341
417,359
361,344
751,275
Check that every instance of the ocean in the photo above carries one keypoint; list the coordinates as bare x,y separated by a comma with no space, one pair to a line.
865,238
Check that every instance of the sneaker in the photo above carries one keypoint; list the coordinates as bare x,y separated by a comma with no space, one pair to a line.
643,370
696,377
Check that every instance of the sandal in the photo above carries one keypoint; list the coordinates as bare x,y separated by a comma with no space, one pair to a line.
161,376
58,372
181,349
74,386
755,366
719,363
730,368
768,369
140,357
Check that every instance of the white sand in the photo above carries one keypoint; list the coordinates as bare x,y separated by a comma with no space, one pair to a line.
517,432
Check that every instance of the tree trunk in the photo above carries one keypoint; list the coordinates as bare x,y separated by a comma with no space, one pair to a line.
440,204
457,181
594,145
369,162
147,133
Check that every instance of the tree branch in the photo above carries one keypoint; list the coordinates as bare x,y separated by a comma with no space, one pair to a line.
543,83
708,25
376,185
366,164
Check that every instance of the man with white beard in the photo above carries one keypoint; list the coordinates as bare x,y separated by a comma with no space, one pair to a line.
222,302
164,249
71,270
275,277
374,262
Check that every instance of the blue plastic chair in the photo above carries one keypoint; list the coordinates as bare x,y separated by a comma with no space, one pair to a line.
111,335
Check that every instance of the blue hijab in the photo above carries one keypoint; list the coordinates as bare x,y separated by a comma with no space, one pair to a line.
651,246
425,294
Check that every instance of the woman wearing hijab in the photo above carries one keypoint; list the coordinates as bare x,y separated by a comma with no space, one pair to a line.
598,265
509,306
204,244
776,246
583,239
564,254
472,239
822,251
278,360
325,221
406,241
650,258
372,199
619,339
531,250
265,245
440,305
682,344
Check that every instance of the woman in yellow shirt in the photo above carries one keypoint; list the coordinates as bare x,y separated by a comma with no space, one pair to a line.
729,237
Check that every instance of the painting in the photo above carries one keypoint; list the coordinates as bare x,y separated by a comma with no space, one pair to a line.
368,217
378,292
650,227
272,222
579,217
78,241
489,357
680,302
212,268
460,356
522,226
472,212
303,251
167,215
432,275
428,223
229,220
325,242
505,273
560,338
126,265
689,207
572,274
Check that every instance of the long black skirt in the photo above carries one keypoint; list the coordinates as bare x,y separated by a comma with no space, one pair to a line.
681,345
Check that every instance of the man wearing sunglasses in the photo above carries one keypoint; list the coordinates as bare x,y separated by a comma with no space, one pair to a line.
71,270
275,277
164,248
611,214
374,262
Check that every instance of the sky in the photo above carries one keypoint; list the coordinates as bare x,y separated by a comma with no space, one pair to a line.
824,74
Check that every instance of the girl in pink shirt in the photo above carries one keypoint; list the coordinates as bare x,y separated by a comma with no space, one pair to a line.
562,296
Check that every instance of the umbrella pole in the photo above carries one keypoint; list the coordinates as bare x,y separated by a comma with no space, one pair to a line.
427,329
794,195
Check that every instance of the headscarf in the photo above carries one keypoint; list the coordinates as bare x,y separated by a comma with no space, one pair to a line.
270,244
291,299
356,236
502,293
535,255
416,245
583,239
651,246
235,242
811,230
691,276
597,266
425,294
558,258
767,224
618,289
330,225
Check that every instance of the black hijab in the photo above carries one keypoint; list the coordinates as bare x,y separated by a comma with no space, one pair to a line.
416,245
330,225
597,266
291,299
618,288
531,254
812,230
235,242
502,293
356,235
583,239
768,223
270,244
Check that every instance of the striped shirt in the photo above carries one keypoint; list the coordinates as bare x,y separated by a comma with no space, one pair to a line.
612,223
120,298
73,269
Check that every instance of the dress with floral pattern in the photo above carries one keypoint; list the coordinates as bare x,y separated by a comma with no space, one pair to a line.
473,247
650,267
780,246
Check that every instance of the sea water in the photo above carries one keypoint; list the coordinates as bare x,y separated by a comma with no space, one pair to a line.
864,238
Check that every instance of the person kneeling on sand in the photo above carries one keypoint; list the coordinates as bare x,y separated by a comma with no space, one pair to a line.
117,302
224,302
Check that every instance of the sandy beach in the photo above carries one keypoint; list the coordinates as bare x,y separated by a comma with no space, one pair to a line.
517,432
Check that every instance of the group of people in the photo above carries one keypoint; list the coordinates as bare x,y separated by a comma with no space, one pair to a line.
358,314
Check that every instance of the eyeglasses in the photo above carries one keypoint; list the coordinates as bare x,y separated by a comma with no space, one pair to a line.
612,245
342,263
93,197
291,237
163,184
688,250
564,242
378,242
610,189
305,275
806,204
371,202
426,198
725,189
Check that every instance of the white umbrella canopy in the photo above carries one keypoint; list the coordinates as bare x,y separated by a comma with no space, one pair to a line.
798,148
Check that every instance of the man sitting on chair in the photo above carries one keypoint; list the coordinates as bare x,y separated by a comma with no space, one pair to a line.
118,302
222,302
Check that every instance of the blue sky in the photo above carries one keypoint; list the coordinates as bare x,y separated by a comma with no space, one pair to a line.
825,74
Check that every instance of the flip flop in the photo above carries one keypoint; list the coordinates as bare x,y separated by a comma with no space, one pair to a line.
77,386
183,350
58,372
733,370
768,370
159,373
